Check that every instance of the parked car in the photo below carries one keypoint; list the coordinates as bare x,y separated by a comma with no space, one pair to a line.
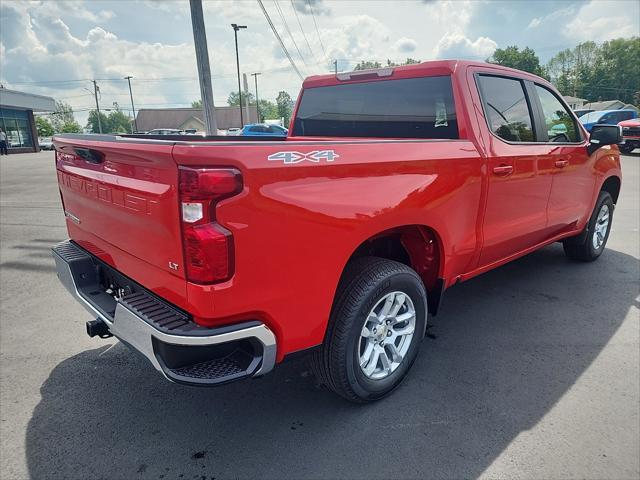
234,131
630,134
606,117
46,143
582,111
338,240
263,129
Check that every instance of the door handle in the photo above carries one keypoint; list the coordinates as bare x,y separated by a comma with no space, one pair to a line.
503,170
562,163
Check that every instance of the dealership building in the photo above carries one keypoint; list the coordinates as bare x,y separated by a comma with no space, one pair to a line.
17,121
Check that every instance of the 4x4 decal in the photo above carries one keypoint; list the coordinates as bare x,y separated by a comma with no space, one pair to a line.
316,156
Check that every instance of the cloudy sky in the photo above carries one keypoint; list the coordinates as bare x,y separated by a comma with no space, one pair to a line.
55,47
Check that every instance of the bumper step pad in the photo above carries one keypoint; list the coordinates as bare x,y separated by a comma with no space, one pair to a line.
182,350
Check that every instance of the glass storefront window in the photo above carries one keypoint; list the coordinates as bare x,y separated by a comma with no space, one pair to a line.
11,129
15,124
25,133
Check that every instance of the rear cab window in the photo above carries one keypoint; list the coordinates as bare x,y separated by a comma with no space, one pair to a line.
421,108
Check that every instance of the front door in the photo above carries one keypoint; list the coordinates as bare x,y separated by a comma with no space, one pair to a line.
573,181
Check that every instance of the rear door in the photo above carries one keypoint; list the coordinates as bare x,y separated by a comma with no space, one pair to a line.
519,169
120,199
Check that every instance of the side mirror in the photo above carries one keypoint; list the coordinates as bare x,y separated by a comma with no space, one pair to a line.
602,135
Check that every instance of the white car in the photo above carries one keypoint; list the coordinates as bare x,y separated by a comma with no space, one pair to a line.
46,143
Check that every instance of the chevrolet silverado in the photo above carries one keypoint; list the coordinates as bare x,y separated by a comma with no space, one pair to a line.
219,257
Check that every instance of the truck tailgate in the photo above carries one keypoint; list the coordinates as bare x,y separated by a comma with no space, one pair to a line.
120,198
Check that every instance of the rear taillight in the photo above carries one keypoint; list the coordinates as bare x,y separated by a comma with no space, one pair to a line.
208,247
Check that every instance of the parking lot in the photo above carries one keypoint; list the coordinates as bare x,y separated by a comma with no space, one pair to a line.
529,371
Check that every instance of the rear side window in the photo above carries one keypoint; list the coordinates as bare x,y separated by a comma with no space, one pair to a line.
561,126
407,108
625,115
506,108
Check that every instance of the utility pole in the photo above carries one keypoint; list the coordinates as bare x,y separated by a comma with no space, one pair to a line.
335,66
134,127
237,27
245,87
96,89
204,72
255,77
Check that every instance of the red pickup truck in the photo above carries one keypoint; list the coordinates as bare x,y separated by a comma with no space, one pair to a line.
218,258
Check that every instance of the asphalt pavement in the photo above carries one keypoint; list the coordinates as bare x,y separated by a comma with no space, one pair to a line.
529,371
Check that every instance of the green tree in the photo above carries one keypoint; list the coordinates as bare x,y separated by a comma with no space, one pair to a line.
570,70
285,106
115,122
234,100
63,120
94,125
268,110
513,57
367,65
119,122
71,127
408,61
44,127
372,64
610,71
196,104
616,73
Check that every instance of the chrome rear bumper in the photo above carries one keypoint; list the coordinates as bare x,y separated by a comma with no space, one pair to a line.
181,350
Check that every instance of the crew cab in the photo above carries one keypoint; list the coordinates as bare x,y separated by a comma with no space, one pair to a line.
218,258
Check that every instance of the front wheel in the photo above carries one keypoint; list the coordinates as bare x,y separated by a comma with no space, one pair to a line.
375,329
590,245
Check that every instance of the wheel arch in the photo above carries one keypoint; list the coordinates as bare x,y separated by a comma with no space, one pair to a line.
612,184
417,246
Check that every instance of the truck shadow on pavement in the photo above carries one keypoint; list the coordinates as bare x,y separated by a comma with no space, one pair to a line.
504,349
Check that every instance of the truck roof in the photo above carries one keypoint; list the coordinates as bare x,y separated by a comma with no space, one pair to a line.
433,67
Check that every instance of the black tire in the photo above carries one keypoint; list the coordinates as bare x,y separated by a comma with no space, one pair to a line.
364,283
626,148
582,247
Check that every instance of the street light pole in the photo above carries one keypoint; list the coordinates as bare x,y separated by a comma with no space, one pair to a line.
133,109
237,27
255,77
95,93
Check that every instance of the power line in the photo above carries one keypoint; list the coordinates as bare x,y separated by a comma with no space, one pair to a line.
324,52
286,27
275,32
302,30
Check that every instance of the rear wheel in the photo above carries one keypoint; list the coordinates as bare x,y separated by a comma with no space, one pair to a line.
590,244
375,330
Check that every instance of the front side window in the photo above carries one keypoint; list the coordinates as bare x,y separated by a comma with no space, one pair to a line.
560,125
609,119
506,108
404,108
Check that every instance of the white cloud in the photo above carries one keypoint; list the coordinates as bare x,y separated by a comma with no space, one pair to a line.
600,21
535,22
405,45
458,46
